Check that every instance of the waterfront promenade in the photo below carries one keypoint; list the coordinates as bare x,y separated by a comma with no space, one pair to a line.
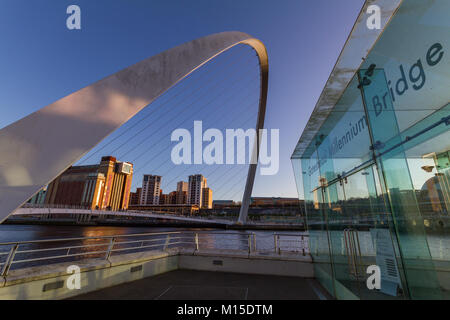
38,269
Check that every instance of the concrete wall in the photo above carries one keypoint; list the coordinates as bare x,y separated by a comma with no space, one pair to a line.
295,266
50,282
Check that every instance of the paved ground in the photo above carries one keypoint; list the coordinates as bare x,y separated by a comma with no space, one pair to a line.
199,285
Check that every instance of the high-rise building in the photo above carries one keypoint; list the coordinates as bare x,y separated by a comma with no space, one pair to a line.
182,192
207,198
103,186
195,189
151,186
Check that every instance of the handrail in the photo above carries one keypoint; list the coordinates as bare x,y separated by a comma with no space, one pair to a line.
244,241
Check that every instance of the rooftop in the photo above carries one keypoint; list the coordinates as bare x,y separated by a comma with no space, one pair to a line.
357,47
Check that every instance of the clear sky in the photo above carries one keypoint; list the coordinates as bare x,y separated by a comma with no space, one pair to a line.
42,61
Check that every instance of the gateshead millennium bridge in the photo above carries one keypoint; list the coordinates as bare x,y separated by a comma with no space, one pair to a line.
38,148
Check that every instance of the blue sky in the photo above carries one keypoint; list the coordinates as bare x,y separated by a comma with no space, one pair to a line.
42,61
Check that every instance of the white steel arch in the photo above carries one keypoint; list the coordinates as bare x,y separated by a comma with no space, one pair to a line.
36,149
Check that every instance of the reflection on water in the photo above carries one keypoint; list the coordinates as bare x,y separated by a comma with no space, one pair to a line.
11,233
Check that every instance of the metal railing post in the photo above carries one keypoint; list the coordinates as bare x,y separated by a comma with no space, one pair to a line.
303,245
9,260
166,245
249,243
278,244
275,242
110,247
254,241
196,242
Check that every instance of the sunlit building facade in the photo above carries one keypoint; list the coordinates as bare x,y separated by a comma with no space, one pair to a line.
151,190
182,192
207,198
103,186
373,163
196,185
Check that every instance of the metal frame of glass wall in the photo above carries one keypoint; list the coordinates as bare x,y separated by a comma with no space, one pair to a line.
376,176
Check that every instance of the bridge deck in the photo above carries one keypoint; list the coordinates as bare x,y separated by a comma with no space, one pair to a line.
201,285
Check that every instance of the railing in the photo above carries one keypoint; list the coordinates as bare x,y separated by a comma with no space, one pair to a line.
24,254
353,252
291,243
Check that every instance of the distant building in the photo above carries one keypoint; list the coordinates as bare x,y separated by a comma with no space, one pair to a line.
163,198
166,199
103,186
273,201
172,198
38,198
151,186
207,198
195,189
135,197
219,204
182,192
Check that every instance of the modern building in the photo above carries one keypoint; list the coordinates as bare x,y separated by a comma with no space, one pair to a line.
373,162
182,192
207,198
151,186
103,186
195,189
135,197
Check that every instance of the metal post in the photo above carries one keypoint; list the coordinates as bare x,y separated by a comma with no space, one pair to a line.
278,244
275,242
249,238
110,247
166,245
254,241
9,260
303,245
196,242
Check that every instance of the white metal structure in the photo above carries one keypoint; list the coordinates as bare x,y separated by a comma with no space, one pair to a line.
38,148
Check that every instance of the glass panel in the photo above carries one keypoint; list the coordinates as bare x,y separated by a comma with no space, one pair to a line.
378,169
307,175
389,150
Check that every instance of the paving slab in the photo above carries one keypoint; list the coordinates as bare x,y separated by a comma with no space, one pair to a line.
201,285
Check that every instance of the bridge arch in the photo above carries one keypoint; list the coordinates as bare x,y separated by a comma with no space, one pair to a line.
39,147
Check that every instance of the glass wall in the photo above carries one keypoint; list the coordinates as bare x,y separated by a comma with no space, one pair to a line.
376,177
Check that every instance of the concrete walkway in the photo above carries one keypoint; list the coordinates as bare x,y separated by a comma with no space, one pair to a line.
201,285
